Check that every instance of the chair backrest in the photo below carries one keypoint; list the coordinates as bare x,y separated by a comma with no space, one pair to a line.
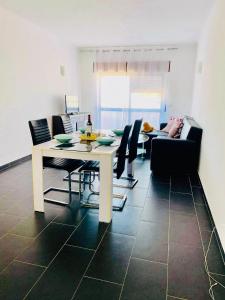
121,152
61,124
133,144
39,131
67,124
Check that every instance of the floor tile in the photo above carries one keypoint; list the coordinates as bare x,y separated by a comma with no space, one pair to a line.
22,191
180,183
136,197
203,218
97,290
17,279
214,257
111,260
46,246
174,298
156,178
184,229
159,191
182,203
34,224
5,202
16,199
143,182
195,181
126,222
145,280
198,195
156,211
186,272
10,247
152,242
8,222
72,215
20,208
63,276
89,233
53,208
218,290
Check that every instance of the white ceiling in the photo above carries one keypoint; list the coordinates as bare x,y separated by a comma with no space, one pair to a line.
117,22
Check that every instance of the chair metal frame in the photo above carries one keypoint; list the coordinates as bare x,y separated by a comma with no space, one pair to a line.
131,157
62,124
69,191
45,139
119,170
130,178
86,203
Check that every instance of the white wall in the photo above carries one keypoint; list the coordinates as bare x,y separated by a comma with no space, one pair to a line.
31,86
209,110
180,79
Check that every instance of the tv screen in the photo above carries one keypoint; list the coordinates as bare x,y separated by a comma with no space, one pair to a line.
71,104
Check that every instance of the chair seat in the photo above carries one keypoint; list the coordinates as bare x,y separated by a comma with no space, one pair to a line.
92,166
127,154
68,165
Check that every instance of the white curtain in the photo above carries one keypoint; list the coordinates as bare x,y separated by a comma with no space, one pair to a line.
130,84
131,67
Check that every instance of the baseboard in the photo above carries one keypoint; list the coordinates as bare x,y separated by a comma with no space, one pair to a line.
222,250
14,163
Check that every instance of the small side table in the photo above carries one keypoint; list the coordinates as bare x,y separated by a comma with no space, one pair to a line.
143,138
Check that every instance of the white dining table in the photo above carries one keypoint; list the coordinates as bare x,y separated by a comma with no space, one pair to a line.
103,154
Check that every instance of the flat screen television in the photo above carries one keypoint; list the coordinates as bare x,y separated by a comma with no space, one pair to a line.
71,104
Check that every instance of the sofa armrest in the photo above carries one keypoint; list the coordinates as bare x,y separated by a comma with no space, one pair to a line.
166,141
162,125
173,155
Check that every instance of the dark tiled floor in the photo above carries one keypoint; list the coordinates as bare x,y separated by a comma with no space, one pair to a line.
154,249
91,288
145,280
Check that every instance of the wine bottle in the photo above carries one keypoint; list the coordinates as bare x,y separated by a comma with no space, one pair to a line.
89,126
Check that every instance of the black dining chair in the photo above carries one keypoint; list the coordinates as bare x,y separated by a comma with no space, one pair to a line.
93,167
61,124
40,133
131,156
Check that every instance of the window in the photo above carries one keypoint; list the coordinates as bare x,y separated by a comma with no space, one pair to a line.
146,100
122,99
114,91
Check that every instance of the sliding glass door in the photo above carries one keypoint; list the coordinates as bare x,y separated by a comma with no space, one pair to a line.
123,99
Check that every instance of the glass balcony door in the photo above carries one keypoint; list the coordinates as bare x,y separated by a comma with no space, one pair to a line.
123,99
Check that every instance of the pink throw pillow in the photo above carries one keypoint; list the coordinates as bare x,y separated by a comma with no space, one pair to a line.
174,130
169,125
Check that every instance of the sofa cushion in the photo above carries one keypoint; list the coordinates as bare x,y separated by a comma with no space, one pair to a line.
176,127
185,130
169,125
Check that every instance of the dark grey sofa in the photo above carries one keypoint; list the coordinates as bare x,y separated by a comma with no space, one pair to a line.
169,155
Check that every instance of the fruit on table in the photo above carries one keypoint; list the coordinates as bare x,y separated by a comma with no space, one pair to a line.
147,127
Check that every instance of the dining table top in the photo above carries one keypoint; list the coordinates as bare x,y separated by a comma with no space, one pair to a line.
82,147
91,147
